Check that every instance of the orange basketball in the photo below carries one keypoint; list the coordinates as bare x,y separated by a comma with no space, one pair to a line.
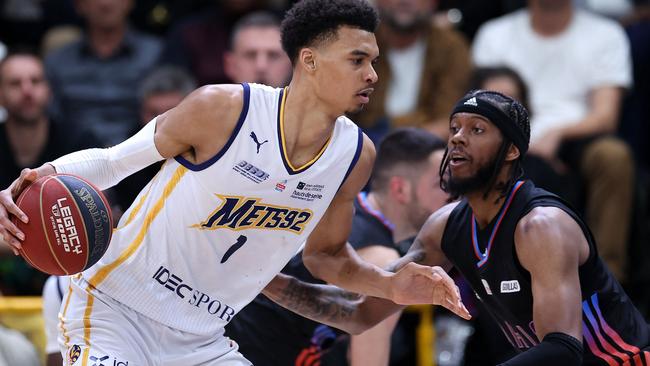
70,224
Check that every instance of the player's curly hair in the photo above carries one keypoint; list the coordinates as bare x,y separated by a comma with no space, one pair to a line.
312,21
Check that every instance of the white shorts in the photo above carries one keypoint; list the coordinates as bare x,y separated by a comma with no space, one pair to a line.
96,330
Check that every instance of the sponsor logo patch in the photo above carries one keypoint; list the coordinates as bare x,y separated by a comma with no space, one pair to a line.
251,172
192,296
510,286
281,186
308,192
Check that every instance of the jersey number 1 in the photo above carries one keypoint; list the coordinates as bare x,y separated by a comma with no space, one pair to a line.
233,248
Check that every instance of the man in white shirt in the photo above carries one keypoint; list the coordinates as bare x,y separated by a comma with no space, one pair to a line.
577,66
424,69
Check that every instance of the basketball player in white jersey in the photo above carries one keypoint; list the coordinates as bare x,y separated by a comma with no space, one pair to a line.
250,173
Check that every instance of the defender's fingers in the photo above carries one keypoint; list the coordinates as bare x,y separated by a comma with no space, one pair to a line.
9,239
12,229
457,308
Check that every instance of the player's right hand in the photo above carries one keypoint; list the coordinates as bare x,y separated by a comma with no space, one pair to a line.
417,284
8,230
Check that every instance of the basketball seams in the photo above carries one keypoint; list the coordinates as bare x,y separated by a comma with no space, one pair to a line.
22,196
18,202
81,216
47,237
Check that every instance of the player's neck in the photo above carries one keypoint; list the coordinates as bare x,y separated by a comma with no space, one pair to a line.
27,140
308,125
551,22
486,207
395,213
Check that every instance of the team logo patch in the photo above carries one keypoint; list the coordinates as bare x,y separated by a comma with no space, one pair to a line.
73,354
238,213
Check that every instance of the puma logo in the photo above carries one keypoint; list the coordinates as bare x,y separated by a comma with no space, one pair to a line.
256,141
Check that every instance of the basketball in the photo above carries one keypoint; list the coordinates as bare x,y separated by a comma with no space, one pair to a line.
70,224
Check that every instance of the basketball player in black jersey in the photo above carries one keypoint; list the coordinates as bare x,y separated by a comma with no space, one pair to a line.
386,220
528,257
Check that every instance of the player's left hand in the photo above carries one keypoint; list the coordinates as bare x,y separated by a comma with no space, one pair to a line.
417,284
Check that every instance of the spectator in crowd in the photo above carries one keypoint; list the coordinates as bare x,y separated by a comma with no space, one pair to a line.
507,81
468,15
53,291
58,37
502,79
577,66
160,91
28,138
198,44
405,192
95,80
3,53
636,114
423,70
15,349
255,54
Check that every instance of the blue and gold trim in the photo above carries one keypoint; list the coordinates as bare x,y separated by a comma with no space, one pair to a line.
242,117
283,152
355,159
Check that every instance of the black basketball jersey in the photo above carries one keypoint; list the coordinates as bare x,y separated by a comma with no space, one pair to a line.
614,332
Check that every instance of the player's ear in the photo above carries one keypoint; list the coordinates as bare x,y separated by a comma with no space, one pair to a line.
307,59
400,189
513,153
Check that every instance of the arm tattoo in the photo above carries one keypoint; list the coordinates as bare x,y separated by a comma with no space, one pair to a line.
320,303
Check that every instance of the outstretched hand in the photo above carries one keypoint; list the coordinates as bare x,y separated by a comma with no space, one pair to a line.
417,284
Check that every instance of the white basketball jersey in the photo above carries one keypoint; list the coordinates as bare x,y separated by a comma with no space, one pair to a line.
201,241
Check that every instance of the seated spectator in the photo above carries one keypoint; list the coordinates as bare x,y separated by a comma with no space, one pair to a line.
95,80
507,81
423,70
198,44
160,91
15,349
58,37
54,292
635,127
255,54
577,66
28,138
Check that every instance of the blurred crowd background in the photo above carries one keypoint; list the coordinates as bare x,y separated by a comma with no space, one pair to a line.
89,73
